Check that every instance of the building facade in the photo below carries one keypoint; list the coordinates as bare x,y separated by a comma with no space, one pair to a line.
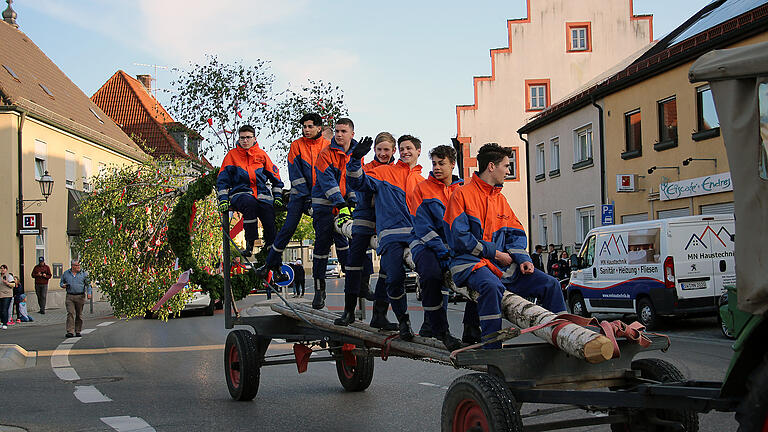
558,47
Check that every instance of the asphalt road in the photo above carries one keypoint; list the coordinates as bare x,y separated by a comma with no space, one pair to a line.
149,375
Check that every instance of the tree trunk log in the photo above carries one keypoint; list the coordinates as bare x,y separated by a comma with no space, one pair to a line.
574,339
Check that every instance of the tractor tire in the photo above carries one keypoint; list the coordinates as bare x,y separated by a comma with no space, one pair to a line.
480,402
242,365
752,413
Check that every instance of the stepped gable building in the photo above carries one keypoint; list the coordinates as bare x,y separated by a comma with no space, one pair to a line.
559,46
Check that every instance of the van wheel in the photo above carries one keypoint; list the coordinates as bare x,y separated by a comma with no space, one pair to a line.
646,313
578,306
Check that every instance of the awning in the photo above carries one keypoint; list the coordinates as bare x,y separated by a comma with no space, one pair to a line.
73,206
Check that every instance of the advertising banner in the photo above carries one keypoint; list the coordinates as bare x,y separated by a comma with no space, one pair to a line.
697,186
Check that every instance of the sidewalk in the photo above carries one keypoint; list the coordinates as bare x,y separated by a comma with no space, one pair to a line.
59,315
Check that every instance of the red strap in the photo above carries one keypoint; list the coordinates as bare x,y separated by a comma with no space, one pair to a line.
387,345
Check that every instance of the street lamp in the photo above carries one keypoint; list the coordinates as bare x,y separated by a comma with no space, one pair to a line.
686,162
654,168
46,188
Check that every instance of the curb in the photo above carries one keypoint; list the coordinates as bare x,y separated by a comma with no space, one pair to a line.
15,357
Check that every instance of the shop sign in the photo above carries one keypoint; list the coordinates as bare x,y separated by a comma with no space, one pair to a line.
697,186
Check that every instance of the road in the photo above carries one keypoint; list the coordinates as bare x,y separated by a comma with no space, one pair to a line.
128,375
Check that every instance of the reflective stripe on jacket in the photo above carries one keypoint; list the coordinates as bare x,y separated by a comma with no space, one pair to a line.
393,186
480,222
301,165
330,188
365,212
248,171
428,226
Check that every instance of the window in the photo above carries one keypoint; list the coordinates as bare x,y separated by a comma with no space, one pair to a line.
557,228
554,149
578,36
540,168
41,159
12,72
40,241
543,235
586,220
582,144
706,116
633,134
536,95
587,253
70,169
46,90
86,167
513,173
667,124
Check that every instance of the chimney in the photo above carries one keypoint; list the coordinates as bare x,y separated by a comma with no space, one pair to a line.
145,80
9,15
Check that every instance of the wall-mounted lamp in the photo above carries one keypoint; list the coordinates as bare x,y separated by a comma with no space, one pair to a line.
46,188
687,162
654,168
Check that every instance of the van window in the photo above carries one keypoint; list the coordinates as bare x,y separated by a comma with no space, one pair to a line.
587,254
643,246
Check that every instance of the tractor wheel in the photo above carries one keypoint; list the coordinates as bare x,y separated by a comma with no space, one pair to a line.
242,364
480,402
355,371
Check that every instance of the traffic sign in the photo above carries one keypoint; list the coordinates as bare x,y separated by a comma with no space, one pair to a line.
607,214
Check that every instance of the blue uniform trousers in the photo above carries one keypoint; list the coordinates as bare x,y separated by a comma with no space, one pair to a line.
537,284
434,295
325,233
253,211
393,267
359,264
296,208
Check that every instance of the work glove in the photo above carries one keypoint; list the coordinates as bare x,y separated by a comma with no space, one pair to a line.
278,201
445,262
362,148
344,216
223,205
308,207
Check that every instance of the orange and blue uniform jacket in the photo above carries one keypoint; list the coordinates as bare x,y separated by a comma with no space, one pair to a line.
364,216
480,222
431,197
393,186
247,172
301,165
330,189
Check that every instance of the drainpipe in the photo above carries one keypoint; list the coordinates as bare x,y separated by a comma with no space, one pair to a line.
527,187
20,206
601,127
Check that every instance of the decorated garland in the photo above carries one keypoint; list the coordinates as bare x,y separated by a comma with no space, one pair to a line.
179,239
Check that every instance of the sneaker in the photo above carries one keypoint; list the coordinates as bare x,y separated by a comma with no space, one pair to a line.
5,327
78,334
11,322
69,335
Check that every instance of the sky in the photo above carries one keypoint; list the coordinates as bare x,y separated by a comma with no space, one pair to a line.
403,65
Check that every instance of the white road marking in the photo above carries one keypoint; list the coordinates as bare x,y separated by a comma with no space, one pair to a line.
128,424
279,340
60,356
86,331
66,373
429,384
105,323
90,394
70,340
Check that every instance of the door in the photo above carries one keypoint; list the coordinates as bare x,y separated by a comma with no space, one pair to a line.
691,247
723,262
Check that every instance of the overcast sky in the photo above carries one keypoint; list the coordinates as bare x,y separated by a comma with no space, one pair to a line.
404,65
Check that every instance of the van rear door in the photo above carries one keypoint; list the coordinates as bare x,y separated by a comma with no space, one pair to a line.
690,245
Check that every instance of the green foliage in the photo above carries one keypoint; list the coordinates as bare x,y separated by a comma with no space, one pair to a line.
124,241
219,91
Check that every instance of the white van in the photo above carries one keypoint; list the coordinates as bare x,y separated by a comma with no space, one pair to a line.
676,266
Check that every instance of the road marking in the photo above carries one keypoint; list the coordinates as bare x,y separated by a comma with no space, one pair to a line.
105,323
128,424
144,350
60,356
86,331
70,340
66,373
433,385
90,394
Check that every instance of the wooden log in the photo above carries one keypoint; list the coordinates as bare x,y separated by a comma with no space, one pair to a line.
396,345
574,339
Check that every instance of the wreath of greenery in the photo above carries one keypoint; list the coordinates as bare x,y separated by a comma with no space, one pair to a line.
178,237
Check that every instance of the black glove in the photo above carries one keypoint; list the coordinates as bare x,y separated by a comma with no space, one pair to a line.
362,148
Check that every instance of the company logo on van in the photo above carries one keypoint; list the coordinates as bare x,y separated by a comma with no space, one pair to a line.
617,242
720,235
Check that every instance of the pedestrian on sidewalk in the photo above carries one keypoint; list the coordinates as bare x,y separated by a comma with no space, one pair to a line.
6,295
298,278
41,273
78,287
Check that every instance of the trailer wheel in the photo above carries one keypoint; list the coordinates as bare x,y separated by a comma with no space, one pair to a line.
355,375
578,306
242,363
663,372
480,402
646,313
752,413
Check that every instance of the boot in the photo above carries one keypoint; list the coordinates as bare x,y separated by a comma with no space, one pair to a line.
471,334
426,328
319,301
277,274
365,291
406,333
348,317
248,251
449,341
379,319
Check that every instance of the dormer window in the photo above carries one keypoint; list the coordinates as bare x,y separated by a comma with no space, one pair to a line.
578,36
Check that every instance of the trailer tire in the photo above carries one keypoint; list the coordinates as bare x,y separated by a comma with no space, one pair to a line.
646,313
480,402
357,377
663,372
578,306
242,365
752,413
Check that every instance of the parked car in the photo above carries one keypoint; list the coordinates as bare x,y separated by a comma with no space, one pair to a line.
200,300
333,268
